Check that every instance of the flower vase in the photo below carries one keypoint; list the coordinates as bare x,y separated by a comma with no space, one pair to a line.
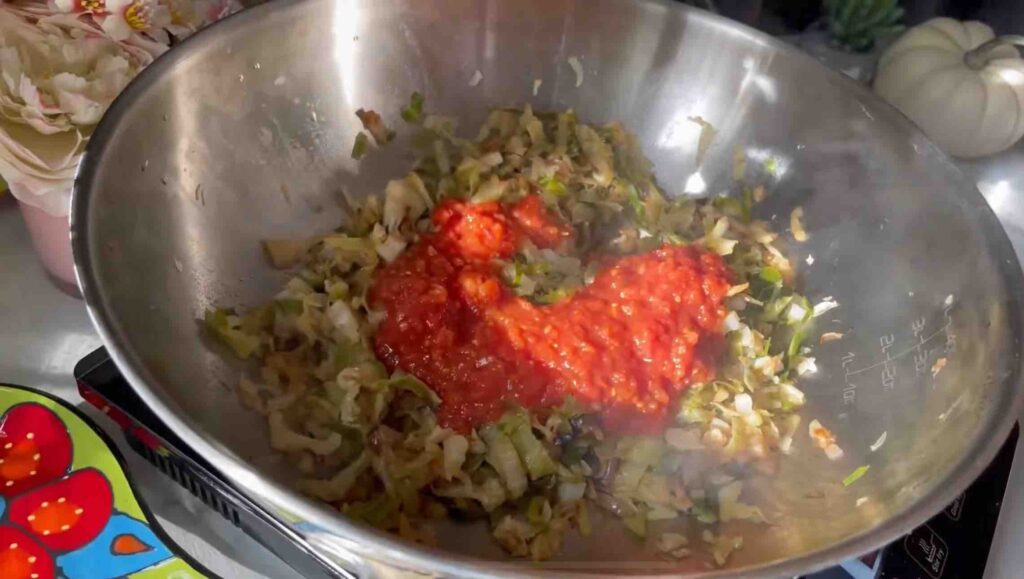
51,238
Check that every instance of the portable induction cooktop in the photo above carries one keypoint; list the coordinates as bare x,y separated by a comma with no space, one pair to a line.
953,544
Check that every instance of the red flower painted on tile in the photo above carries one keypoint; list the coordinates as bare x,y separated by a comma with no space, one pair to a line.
23,558
35,448
55,523
68,513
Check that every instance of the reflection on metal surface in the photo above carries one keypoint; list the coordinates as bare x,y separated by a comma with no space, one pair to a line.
681,132
999,194
774,163
695,185
757,79
347,23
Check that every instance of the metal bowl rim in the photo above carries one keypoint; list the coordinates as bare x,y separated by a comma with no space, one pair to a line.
383,547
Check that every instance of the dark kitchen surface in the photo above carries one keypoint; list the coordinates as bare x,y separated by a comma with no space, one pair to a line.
794,16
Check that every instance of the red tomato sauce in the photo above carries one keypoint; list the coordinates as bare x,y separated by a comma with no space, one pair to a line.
624,346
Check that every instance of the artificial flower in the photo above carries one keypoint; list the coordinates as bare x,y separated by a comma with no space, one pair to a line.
61,66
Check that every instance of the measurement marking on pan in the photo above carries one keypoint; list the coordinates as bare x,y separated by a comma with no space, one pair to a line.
950,334
920,354
888,366
897,356
849,388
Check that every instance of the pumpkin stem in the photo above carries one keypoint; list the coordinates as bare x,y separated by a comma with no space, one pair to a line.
977,59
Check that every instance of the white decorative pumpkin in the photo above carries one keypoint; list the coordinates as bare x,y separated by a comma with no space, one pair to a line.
968,100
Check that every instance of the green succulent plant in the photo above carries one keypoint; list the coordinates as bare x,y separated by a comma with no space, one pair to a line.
856,25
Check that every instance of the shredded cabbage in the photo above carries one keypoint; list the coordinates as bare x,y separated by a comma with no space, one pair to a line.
286,253
730,508
405,199
370,440
674,545
227,328
490,493
339,485
531,450
502,455
455,448
283,438
598,152
638,454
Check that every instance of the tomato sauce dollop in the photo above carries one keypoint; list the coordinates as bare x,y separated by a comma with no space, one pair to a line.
647,327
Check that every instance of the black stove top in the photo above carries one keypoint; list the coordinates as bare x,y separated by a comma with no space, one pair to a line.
953,544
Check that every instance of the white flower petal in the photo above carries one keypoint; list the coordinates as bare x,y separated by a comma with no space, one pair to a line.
116,26
58,74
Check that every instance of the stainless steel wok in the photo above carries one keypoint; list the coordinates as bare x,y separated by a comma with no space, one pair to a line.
244,133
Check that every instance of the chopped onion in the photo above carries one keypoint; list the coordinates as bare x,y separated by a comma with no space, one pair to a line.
571,492
578,69
732,322
681,439
714,438
768,365
341,316
878,443
796,313
789,427
476,78
391,247
536,86
833,452
796,224
806,366
825,305
747,338
830,337
825,440
743,403
737,289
